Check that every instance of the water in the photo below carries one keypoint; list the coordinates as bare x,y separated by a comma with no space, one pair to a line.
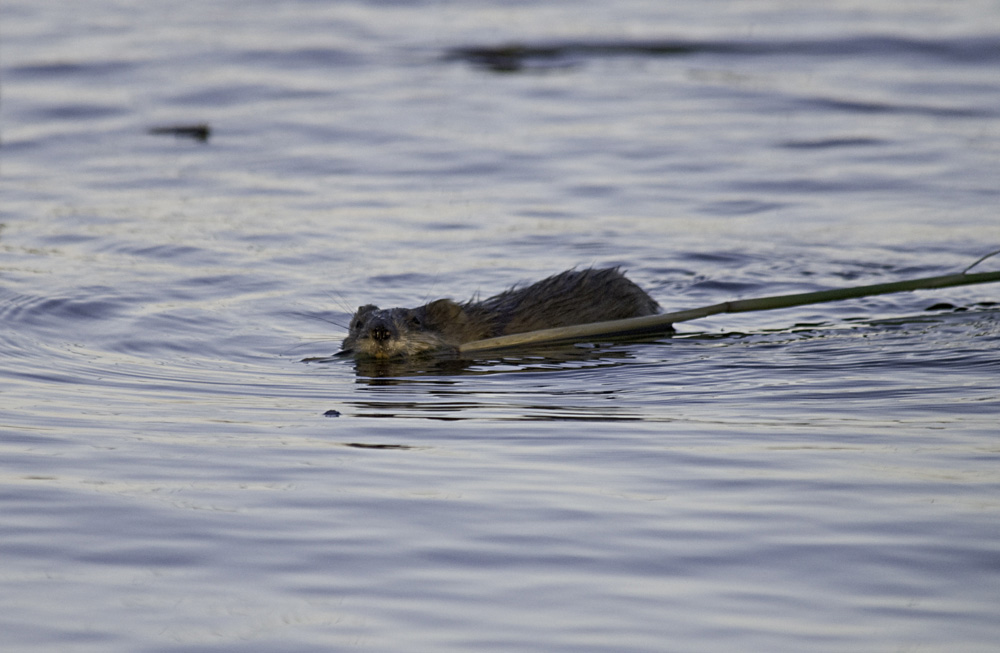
172,477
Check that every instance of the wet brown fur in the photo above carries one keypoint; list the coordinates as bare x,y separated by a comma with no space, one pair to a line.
572,297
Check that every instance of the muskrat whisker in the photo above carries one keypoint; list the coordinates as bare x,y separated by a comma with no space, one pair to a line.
308,342
321,318
341,301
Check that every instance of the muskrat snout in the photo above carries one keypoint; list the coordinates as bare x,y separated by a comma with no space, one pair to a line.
379,333
386,333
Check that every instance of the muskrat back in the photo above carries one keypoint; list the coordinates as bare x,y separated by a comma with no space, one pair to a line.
572,297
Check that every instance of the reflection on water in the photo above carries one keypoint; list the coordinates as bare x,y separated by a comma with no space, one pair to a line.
803,362
584,355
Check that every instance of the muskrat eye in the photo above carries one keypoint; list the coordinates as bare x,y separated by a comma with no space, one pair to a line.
414,322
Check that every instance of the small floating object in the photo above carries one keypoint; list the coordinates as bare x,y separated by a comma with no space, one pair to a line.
199,132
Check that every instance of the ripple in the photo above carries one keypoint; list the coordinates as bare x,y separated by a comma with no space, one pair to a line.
68,69
27,310
872,107
73,112
830,143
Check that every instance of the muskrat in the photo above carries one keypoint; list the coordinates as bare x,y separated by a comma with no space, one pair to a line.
566,299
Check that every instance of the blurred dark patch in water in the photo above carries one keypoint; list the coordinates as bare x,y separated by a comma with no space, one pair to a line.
519,57
58,69
198,132
829,143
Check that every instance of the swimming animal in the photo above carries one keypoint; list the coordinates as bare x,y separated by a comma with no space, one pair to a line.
566,299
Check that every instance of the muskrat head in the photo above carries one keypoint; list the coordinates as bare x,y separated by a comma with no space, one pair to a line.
393,332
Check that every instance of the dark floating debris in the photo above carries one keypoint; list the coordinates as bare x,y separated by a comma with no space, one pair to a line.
524,56
332,413
199,132
515,57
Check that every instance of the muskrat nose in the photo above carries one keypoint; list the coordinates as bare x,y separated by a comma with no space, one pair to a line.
379,333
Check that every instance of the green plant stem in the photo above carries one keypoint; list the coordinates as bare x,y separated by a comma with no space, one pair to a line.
653,325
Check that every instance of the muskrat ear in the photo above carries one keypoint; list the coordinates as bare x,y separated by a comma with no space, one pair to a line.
362,312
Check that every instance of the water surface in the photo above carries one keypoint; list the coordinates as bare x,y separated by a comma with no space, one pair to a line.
173,477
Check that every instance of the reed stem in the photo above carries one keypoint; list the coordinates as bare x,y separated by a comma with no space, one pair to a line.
653,325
